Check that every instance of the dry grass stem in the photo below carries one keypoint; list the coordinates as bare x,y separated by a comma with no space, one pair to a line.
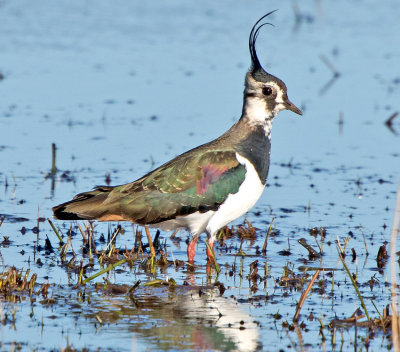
82,233
101,272
264,249
173,234
116,232
365,244
153,251
389,122
354,285
55,231
53,159
312,253
217,268
325,60
304,296
395,230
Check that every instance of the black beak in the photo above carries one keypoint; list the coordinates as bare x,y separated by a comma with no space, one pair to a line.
290,106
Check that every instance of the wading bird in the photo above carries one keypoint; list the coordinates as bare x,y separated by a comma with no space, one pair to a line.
207,187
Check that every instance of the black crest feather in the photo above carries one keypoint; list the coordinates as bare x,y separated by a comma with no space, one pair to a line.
253,38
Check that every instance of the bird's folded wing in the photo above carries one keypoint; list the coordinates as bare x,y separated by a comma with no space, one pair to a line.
191,183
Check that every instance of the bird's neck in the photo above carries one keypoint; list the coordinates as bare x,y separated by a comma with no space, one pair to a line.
256,114
253,141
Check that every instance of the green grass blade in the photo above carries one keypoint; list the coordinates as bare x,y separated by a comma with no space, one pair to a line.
354,285
101,272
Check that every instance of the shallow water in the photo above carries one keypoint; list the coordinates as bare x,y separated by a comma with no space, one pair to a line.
122,87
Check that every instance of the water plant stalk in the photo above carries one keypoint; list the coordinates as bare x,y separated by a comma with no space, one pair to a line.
101,272
304,296
217,268
53,159
393,272
354,284
264,249
153,251
55,231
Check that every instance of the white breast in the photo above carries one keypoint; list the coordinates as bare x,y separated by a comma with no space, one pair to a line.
239,203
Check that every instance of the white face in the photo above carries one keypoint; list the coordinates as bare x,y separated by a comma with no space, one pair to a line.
262,102
264,98
279,99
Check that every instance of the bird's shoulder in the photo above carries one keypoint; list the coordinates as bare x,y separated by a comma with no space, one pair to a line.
198,168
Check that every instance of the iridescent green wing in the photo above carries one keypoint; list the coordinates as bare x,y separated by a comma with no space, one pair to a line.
190,183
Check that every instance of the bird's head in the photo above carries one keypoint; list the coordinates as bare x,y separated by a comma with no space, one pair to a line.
264,95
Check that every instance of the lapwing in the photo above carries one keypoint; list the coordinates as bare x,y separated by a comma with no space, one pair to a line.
207,187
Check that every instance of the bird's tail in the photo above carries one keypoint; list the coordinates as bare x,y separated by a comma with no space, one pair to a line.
84,206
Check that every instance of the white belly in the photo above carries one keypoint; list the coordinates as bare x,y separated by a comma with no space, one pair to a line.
196,223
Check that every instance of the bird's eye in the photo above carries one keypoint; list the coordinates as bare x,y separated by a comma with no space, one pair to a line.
267,91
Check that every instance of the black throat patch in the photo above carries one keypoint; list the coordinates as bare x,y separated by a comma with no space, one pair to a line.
257,148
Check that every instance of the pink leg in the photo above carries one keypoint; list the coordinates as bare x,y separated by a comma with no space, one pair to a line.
191,249
210,259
